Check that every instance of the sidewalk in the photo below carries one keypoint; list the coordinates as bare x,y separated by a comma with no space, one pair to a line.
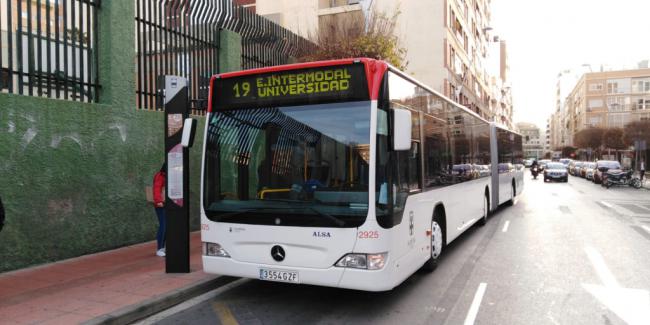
117,286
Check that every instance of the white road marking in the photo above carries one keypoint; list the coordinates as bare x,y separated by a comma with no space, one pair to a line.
646,228
631,305
603,272
473,309
505,226
606,204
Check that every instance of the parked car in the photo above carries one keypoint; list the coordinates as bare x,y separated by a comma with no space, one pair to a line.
566,161
603,166
556,171
483,170
589,170
574,167
571,166
528,162
583,170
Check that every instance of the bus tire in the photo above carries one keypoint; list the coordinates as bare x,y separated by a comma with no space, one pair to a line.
486,210
511,202
437,242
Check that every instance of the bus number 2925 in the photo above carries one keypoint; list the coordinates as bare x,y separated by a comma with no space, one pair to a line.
369,234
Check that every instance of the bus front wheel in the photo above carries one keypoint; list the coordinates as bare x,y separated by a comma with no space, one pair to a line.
436,245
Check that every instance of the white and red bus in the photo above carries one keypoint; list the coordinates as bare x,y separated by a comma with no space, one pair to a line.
345,173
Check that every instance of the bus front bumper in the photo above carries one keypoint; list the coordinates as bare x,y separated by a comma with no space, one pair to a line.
339,277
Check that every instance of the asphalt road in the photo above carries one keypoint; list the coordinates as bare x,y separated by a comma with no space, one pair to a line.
565,253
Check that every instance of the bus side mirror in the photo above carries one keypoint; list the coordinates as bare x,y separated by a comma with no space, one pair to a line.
189,130
401,129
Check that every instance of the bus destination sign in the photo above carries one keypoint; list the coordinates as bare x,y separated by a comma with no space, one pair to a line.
292,87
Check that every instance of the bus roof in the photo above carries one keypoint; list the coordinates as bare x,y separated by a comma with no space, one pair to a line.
375,70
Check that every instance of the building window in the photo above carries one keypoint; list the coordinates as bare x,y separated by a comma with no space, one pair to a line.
612,87
618,86
617,104
643,103
596,87
594,121
616,121
595,103
453,59
641,86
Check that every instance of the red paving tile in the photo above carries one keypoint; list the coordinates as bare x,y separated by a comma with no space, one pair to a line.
6,292
14,311
37,316
24,283
83,288
130,299
66,319
94,309
70,305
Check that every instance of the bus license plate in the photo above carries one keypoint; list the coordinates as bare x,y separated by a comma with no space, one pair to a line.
279,275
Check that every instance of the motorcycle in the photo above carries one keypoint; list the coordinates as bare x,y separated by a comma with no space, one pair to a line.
619,177
535,171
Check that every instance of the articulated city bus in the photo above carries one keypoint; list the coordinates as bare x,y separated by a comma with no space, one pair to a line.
344,173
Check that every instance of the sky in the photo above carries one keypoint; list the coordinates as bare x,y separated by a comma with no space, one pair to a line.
546,37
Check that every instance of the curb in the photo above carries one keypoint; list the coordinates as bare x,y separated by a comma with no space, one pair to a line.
130,314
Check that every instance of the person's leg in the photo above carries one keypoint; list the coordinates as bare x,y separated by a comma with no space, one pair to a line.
163,226
160,236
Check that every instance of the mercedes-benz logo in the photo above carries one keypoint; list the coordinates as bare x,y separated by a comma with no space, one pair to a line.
277,252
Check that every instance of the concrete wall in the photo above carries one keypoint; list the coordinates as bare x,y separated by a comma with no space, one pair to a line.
73,174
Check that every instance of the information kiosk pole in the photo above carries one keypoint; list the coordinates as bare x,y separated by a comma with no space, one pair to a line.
177,199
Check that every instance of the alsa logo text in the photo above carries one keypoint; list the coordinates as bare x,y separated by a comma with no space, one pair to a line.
321,234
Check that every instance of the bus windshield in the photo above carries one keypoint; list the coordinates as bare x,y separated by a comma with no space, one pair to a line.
289,166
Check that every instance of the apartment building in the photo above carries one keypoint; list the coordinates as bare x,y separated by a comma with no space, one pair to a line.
307,17
547,136
449,43
450,48
533,143
608,99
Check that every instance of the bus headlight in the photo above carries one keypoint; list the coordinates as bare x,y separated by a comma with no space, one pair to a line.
363,261
214,249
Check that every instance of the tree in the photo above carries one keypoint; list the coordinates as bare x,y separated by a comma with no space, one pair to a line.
613,139
591,139
568,151
347,37
637,130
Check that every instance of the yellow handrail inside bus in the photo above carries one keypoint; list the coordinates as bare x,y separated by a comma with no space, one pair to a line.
273,190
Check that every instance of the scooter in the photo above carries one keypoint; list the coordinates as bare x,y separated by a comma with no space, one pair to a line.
534,171
619,177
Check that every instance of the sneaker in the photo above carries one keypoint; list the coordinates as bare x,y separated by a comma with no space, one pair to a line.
161,252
